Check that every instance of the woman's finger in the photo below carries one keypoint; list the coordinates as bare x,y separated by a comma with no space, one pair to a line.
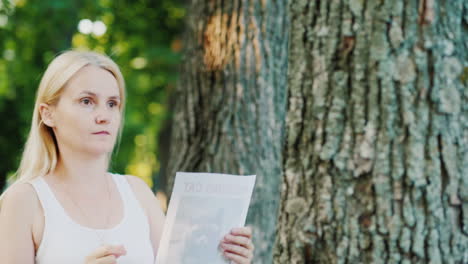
236,249
236,258
240,240
106,250
242,231
111,259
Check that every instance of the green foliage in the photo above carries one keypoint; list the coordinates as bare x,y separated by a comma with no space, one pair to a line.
143,37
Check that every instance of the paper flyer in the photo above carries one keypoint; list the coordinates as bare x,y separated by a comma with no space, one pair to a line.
203,208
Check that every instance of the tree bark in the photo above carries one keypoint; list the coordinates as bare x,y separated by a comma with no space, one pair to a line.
231,102
376,156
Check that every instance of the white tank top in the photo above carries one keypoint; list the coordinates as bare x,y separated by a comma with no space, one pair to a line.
65,241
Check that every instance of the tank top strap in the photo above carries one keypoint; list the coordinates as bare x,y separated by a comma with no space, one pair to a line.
47,199
125,190
135,208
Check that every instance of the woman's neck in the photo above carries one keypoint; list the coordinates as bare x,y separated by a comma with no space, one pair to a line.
82,172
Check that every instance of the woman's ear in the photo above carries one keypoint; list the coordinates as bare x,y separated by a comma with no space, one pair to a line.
45,111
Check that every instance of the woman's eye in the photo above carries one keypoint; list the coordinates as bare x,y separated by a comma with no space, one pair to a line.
112,103
86,101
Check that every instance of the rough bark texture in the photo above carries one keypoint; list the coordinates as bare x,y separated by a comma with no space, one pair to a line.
231,102
376,161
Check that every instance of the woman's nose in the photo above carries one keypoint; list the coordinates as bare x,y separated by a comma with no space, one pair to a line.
101,119
102,116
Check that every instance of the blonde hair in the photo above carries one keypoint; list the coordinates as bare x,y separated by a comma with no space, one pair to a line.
40,154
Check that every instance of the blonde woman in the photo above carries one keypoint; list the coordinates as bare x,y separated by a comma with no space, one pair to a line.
65,207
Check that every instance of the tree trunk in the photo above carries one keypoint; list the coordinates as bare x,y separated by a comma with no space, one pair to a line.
231,102
375,163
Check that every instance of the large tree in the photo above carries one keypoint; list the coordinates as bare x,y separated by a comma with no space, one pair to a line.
231,99
373,158
376,161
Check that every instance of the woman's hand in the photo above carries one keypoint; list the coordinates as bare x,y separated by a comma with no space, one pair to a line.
237,245
106,254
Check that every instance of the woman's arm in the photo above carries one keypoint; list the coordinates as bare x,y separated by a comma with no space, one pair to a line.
16,218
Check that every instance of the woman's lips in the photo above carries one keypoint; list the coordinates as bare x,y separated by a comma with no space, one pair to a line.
101,133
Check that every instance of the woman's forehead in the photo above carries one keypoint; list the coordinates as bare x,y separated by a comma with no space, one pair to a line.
93,80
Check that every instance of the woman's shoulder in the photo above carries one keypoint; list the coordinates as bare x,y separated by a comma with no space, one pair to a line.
20,203
17,214
21,194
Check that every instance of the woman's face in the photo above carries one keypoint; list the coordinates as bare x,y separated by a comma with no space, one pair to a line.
89,104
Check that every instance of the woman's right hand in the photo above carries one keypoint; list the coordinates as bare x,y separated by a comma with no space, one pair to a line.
106,254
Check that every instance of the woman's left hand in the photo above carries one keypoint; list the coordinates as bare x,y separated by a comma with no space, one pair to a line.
237,245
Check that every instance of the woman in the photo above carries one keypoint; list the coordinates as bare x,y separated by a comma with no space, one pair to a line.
65,207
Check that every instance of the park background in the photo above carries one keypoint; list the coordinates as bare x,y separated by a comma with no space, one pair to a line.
353,114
